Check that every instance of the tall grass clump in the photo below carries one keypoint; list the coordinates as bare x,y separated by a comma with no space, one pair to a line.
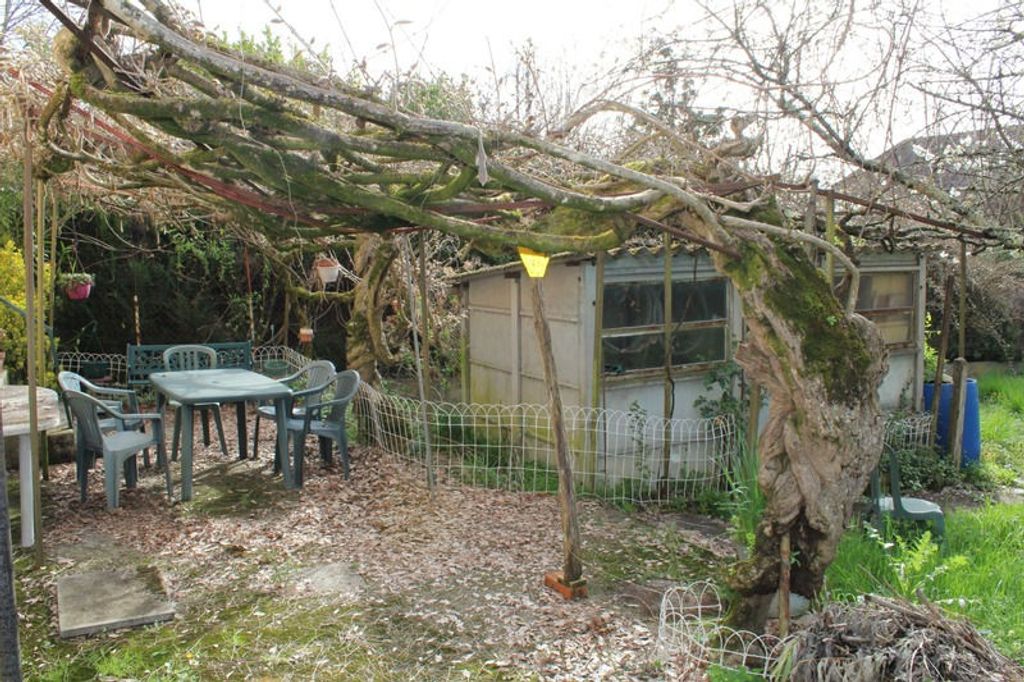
974,573
1005,389
746,500
1002,425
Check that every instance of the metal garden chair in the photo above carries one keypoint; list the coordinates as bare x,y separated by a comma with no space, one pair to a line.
308,382
188,357
117,448
326,420
899,507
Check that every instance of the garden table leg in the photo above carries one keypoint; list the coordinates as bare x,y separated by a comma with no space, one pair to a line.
28,533
281,408
186,452
243,446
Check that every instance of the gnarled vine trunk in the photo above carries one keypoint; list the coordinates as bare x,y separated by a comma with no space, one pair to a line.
824,432
366,345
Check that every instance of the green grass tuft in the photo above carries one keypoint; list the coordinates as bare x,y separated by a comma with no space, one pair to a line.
1005,389
975,573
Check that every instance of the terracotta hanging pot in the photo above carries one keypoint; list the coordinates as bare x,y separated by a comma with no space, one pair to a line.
305,335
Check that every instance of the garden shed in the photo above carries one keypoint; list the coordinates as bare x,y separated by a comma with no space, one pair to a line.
609,329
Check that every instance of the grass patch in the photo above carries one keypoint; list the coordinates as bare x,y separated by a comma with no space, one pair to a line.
1005,389
975,573
233,490
1002,427
645,554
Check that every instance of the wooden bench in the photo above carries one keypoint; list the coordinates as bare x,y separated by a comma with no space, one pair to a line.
145,359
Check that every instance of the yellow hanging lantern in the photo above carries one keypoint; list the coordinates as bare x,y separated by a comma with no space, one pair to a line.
536,263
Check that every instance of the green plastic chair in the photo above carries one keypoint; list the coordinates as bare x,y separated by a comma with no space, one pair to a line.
117,448
308,382
188,357
121,399
326,420
899,507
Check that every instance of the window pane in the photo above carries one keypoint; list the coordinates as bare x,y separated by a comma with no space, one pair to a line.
640,351
895,327
633,305
698,345
885,290
698,301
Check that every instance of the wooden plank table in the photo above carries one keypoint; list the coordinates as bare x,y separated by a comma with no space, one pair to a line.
14,403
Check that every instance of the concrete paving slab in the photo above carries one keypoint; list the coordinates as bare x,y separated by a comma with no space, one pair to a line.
96,601
335,579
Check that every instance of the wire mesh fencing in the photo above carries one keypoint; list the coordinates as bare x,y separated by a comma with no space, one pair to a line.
907,431
106,368
616,455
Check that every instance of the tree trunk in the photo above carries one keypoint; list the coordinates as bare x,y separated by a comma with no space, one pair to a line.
821,368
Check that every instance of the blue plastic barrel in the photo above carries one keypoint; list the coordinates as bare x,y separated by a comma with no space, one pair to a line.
971,450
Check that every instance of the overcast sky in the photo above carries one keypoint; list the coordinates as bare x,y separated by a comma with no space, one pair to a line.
576,37
455,36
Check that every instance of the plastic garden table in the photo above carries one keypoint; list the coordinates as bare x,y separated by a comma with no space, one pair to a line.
192,387
14,403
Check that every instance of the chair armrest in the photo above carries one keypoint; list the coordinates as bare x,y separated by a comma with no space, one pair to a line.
118,414
148,416
315,408
122,394
316,390
290,377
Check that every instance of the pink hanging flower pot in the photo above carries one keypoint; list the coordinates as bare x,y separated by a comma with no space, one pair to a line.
77,285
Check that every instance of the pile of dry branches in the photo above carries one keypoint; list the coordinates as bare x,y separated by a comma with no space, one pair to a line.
890,639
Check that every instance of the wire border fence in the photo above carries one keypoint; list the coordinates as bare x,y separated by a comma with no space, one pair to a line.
620,456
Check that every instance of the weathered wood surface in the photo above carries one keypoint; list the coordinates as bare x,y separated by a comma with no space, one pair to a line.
14,403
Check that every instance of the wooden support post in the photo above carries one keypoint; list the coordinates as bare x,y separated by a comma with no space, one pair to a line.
138,322
753,417
597,374
424,314
668,385
943,345
464,367
955,438
784,566
28,228
810,217
830,235
961,348
406,251
40,308
570,582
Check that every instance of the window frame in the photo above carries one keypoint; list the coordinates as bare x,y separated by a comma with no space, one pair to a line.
872,313
659,329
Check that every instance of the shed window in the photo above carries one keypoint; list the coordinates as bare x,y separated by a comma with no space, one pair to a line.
633,324
887,299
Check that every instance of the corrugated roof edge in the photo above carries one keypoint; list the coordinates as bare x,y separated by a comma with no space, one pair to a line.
636,250
568,256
